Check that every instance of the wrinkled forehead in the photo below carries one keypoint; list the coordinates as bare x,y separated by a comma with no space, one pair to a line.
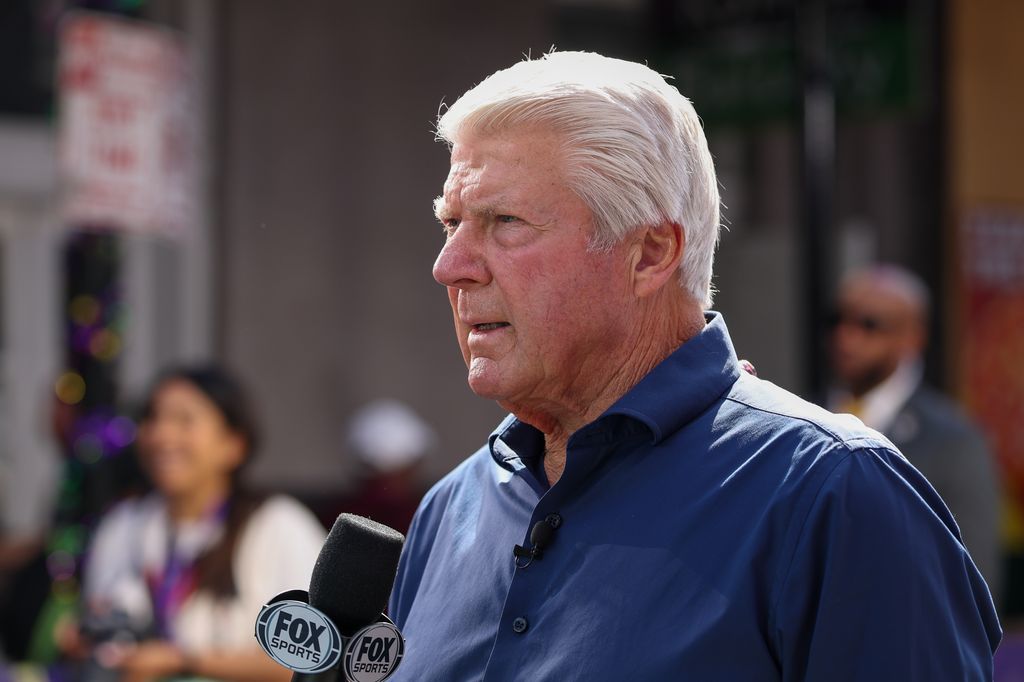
505,162
510,144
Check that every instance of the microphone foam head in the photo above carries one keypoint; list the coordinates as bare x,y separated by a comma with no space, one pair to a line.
354,573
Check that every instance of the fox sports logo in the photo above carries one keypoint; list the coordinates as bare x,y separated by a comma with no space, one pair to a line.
298,636
373,653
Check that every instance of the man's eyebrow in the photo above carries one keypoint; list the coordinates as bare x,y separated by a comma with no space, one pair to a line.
440,208
442,212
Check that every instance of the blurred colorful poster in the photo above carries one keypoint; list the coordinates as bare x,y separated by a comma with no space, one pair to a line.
125,122
993,353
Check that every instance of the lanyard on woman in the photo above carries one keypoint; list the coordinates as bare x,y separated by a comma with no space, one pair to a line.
175,584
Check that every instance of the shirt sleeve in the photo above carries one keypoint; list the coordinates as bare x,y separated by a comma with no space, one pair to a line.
879,586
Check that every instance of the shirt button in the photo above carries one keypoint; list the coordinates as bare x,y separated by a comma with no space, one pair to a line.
554,520
519,625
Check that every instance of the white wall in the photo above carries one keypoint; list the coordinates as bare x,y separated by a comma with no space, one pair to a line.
30,347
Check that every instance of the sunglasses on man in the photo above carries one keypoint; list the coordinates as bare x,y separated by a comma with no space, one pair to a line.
866,322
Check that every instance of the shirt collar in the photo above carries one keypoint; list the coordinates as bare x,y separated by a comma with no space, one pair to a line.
674,393
514,441
683,385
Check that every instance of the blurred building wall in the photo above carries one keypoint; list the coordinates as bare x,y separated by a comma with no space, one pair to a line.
986,102
329,170
30,334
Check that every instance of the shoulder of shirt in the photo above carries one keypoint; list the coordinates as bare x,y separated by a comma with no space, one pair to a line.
281,524
774,408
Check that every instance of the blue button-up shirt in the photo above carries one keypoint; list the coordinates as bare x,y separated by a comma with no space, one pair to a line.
714,527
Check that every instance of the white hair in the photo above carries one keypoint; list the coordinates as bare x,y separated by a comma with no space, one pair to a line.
634,147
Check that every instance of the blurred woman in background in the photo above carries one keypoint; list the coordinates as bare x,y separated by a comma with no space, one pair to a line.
175,580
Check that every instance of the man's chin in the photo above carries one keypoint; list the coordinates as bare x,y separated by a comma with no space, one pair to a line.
486,380
485,388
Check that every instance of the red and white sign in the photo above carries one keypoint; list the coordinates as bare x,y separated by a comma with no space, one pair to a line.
125,126
993,264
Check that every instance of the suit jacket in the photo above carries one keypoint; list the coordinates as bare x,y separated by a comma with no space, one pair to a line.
945,446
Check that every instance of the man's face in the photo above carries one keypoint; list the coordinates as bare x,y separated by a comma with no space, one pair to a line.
537,312
875,330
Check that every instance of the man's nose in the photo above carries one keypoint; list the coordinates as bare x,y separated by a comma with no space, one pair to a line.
462,262
848,337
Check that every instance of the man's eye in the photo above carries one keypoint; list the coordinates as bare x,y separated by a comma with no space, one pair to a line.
506,219
450,224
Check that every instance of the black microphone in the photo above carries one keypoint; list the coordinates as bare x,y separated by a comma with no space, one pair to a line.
541,535
337,631
355,571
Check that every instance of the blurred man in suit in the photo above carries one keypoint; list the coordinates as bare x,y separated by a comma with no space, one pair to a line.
878,341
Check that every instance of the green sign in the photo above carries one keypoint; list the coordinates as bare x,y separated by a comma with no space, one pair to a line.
754,77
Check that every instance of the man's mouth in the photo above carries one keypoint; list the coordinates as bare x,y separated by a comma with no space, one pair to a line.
488,326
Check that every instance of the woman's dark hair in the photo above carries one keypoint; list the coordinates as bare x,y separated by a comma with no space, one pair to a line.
223,390
214,567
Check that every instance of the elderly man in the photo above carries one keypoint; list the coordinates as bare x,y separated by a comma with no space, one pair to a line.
878,341
648,511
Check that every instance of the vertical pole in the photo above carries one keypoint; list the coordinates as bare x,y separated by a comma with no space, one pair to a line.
817,163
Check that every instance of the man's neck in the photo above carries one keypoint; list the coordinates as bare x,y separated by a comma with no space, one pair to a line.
652,342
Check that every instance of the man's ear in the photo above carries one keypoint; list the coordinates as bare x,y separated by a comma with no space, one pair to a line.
658,250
